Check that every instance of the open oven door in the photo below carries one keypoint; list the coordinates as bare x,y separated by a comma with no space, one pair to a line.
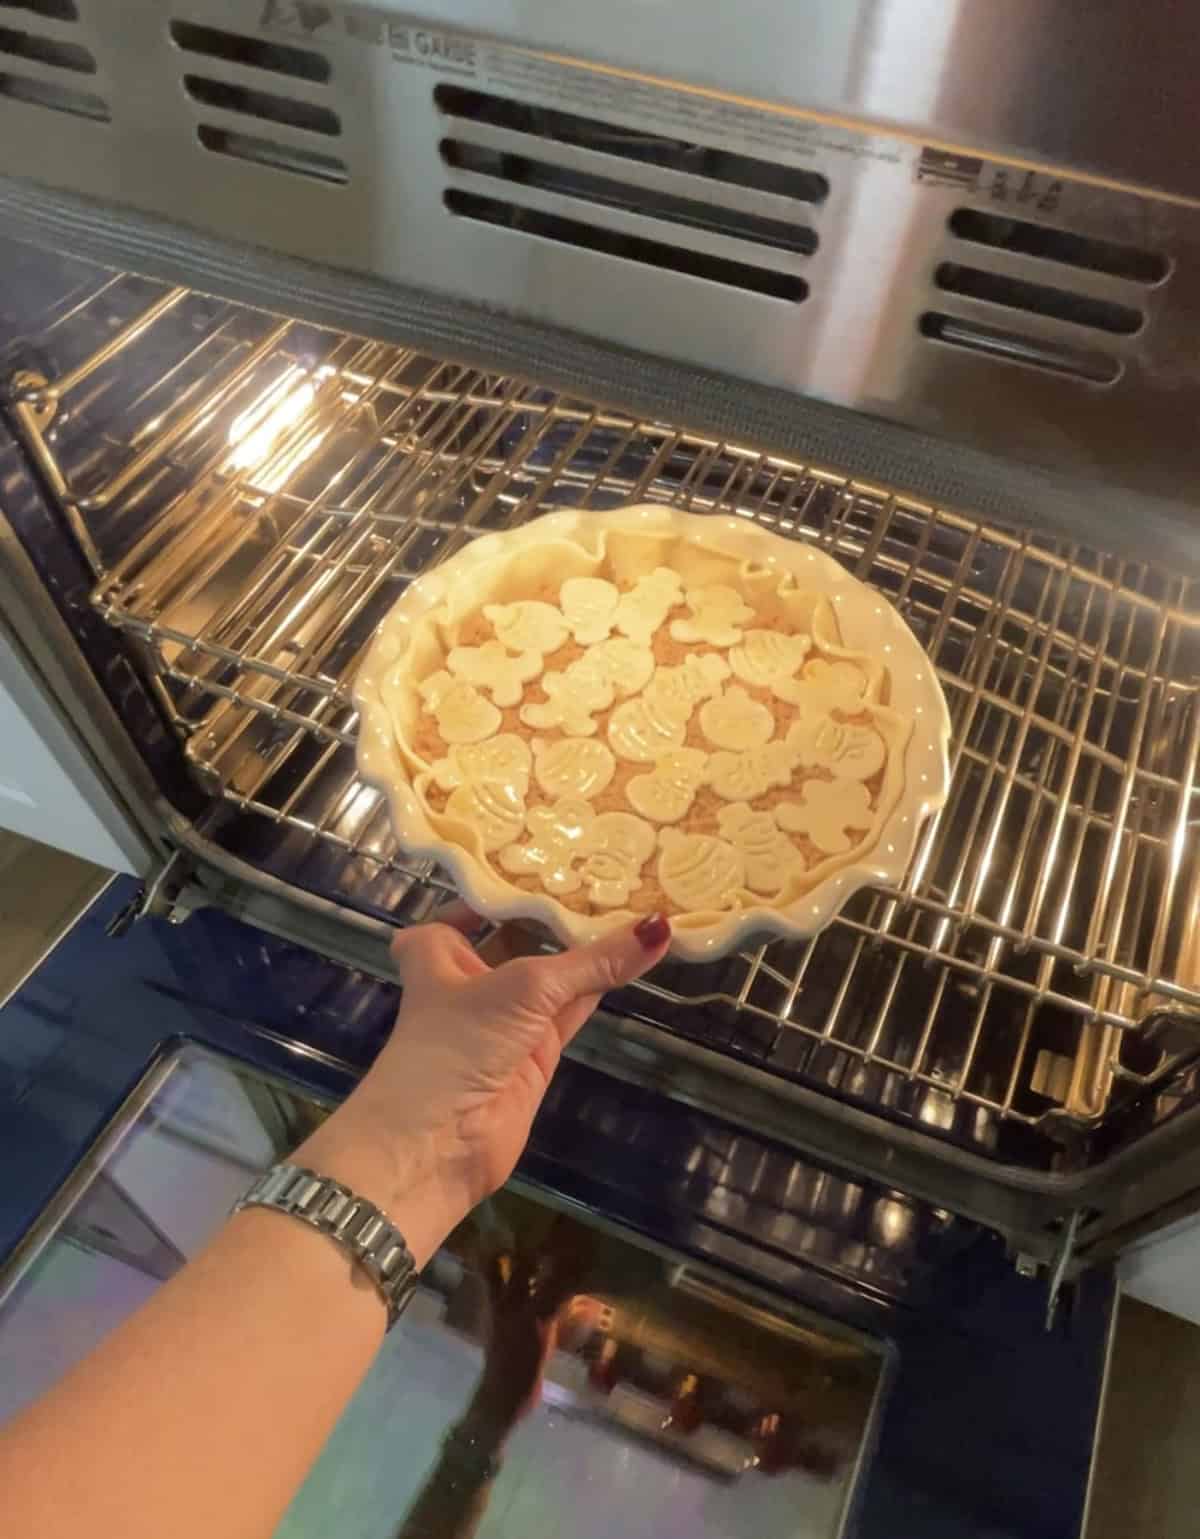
782,1348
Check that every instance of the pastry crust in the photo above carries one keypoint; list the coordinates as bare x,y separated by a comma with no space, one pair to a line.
601,715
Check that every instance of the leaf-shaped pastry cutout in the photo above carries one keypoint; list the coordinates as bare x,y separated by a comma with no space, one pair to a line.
742,777
764,656
850,750
529,625
735,721
829,808
699,872
495,670
627,665
770,856
717,616
573,766
494,810
501,760
638,731
666,794
589,606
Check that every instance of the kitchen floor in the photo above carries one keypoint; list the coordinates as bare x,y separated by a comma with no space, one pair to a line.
1147,1480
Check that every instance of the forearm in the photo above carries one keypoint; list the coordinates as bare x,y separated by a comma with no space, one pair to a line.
202,1414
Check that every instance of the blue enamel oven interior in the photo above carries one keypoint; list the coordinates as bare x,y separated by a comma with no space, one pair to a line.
959,1346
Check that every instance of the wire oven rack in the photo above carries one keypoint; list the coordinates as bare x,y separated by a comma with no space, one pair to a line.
253,493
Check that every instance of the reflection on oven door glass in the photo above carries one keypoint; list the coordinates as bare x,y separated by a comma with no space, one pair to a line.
628,1393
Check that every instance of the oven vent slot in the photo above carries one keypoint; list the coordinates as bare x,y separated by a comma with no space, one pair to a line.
19,44
58,98
295,114
273,154
742,221
289,111
53,10
588,188
1023,238
1093,368
741,171
259,53
1038,299
31,61
633,248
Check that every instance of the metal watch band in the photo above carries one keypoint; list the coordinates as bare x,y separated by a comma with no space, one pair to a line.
367,1235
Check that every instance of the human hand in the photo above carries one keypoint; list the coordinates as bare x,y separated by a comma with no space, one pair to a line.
441,1118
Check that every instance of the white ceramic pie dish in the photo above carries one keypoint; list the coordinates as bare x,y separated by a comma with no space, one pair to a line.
866,622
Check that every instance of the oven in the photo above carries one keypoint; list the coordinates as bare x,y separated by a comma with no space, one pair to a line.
297,299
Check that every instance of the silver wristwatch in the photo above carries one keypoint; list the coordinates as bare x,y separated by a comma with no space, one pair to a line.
363,1232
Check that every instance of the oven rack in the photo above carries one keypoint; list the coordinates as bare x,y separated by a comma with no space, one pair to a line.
253,494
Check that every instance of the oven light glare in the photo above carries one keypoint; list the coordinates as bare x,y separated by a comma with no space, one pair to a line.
256,434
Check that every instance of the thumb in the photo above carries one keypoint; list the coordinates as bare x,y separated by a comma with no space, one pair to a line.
615,959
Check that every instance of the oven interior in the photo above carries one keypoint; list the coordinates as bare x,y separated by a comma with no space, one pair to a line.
251,493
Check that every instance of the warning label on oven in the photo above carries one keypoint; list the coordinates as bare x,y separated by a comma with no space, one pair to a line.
409,42
993,180
649,103
948,168
537,78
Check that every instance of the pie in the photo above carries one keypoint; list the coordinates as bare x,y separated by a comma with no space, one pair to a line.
602,715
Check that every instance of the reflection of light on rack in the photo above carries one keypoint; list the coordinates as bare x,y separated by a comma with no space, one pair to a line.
937,1109
362,803
892,1221
258,435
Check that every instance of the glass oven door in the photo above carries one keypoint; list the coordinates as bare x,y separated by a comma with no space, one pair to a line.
669,1400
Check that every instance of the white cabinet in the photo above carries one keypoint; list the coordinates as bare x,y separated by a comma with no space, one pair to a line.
1165,1270
49,789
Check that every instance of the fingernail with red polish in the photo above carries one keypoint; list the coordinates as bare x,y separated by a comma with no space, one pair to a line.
653,931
